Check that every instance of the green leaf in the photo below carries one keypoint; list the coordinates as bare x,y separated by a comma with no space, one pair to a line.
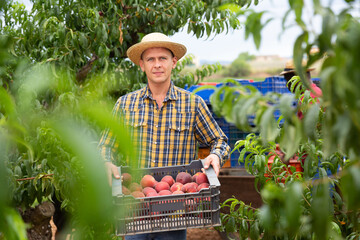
293,207
286,106
321,211
291,139
351,186
298,53
266,217
269,129
254,231
311,121
18,171
230,225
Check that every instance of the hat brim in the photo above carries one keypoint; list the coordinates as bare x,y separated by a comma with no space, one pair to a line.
293,70
135,51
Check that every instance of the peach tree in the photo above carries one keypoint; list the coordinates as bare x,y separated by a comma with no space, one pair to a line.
322,201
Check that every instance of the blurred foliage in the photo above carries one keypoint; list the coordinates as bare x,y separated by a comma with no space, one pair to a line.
240,67
322,202
90,36
62,66
51,147
63,63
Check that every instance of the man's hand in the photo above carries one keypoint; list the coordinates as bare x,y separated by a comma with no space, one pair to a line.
111,170
213,160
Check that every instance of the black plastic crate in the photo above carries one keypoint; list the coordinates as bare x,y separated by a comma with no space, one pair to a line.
170,212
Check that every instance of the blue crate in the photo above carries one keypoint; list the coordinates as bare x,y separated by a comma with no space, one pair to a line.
234,161
235,134
280,85
204,94
223,125
249,83
268,85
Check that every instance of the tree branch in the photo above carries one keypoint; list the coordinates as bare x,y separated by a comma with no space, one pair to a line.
83,72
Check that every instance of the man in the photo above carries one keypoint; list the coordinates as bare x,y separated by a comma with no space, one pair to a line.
289,72
166,122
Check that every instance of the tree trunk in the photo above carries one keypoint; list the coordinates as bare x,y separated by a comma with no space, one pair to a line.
39,220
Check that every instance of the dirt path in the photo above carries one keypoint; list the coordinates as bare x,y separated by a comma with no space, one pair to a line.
202,234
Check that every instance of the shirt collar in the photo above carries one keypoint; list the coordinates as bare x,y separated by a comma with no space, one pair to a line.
171,94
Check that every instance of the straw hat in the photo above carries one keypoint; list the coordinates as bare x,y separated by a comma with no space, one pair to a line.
290,67
155,40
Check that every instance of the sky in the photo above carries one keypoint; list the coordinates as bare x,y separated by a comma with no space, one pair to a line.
226,47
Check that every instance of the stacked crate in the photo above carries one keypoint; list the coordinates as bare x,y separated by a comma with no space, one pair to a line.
271,84
233,134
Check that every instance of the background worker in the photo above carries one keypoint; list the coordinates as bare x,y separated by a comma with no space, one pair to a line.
315,92
289,72
166,122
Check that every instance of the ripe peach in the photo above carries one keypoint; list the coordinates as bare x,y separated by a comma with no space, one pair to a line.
178,192
188,186
125,190
176,187
191,189
203,185
147,190
195,176
135,187
183,177
152,194
138,194
162,186
126,179
169,179
148,181
202,178
165,192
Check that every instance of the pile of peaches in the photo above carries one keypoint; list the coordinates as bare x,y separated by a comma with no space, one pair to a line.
148,187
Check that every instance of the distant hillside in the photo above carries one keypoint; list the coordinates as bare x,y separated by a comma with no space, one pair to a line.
268,64
224,63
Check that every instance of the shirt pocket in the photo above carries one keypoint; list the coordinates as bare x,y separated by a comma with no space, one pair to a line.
136,120
180,131
179,123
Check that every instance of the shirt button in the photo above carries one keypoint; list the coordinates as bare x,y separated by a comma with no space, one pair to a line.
155,143
156,126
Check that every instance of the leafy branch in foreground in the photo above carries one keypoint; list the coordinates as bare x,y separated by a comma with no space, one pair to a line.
322,200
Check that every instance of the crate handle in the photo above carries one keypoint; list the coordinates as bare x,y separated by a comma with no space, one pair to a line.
210,173
117,185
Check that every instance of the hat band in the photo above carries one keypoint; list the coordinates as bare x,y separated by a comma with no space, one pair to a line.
288,69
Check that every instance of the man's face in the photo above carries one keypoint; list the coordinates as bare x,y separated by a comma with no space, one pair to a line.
157,64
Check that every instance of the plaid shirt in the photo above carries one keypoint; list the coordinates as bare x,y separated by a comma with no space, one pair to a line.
169,135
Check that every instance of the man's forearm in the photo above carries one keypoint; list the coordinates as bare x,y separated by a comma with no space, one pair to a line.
222,150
